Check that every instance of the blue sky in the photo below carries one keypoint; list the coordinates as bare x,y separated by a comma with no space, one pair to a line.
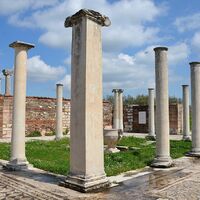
128,58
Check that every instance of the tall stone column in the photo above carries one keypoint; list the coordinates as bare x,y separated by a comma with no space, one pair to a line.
151,121
195,91
86,131
186,113
7,73
162,158
59,106
116,109
121,126
18,158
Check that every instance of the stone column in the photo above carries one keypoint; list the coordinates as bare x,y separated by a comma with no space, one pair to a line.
0,86
120,93
151,122
18,158
86,131
195,93
162,158
59,106
116,109
7,73
186,113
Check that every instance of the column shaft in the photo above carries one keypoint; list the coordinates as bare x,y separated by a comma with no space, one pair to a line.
116,109
18,159
151,113
162,109
59,106
121,109
186,113
195,91
86,130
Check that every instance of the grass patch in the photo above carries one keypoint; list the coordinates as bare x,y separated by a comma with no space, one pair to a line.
53,156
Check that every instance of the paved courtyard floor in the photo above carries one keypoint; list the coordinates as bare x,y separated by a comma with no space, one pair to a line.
181,182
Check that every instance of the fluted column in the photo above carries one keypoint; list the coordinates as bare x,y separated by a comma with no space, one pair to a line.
86,130
195,91
151,122
7,73
59,106
116,109
162,158
18,158
186,113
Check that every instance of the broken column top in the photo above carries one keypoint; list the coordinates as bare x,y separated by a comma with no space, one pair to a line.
117,90
7,72
90,14
21,44
150,88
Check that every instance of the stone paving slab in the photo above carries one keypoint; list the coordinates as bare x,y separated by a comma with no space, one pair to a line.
181,182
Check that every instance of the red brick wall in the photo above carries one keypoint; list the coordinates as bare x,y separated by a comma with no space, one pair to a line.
40,114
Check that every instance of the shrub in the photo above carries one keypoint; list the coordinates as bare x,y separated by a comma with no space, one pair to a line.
50,133
34,134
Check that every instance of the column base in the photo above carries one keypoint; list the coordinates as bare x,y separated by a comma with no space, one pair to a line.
193,154
85,184
112,150
162,162
187,138
17,165
58,138
151,137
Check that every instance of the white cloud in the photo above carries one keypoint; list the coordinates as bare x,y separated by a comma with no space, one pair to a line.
196,40
131,23
9,7
66,81
187,23
39,71
138,71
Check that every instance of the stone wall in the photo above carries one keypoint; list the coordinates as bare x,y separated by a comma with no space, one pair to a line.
133,124
40,114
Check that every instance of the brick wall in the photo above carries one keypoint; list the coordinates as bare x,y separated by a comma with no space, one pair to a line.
131,118
41,114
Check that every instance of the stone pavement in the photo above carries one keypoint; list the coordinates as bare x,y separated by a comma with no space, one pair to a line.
181,182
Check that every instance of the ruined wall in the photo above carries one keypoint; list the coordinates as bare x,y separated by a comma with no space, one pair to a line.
41,114
133,124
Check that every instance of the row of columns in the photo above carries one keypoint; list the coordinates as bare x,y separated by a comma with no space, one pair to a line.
86,142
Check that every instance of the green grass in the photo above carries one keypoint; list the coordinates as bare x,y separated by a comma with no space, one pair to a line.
53,156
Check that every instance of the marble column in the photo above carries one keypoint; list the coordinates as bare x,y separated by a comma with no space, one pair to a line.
86,131
116,109
18,159
162,158
120,93
186,113
7,73
151,121
195,94
59,107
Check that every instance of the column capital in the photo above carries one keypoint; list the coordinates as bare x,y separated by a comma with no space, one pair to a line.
7,72
59,84
185,85
150,88
160,49
20,44
120,90
90,14
196,64
115,90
